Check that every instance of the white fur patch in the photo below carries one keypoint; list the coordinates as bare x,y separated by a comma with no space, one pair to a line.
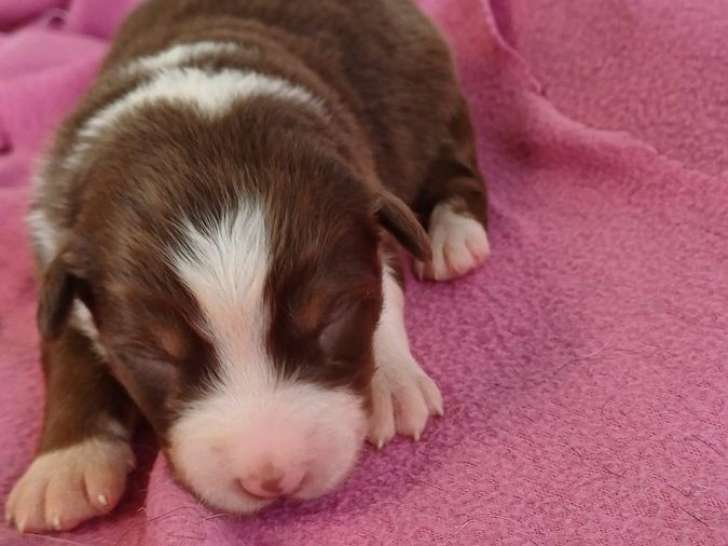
229,441
250,423
179,54
225,264
403,395
43,234
83,321
45,238
68,486
212,94
459,244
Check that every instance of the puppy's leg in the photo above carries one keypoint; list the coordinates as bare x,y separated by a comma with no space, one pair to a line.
403,396
453,202
84,454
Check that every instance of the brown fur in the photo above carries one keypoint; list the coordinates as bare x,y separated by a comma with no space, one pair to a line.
72,368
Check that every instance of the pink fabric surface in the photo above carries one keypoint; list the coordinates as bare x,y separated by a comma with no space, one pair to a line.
583,369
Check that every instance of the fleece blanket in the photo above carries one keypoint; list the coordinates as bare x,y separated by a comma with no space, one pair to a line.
584,368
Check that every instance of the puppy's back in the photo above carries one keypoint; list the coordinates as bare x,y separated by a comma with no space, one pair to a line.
384,59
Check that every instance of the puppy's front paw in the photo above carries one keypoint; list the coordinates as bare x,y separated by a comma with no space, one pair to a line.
403,398
68,486
459,245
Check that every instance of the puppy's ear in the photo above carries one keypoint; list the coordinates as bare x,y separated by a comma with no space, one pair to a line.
398,219
62,282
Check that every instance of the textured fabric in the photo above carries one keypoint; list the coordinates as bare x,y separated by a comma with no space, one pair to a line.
583,369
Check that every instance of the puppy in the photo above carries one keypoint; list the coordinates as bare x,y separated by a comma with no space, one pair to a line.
217,231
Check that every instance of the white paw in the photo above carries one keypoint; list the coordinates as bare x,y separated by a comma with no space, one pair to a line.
66,487
459,245
403,398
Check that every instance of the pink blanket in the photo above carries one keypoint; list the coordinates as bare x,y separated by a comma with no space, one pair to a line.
585,368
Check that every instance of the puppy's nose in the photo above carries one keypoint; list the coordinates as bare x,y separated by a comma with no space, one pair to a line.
270,482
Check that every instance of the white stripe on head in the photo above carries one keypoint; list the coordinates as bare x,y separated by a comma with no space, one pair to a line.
225,263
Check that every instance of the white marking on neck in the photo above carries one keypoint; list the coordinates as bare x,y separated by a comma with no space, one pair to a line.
211,94
178,55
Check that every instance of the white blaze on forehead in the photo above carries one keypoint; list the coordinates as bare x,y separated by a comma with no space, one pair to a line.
249,418
225,264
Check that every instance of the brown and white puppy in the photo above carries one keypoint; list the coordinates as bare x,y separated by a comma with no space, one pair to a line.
217,228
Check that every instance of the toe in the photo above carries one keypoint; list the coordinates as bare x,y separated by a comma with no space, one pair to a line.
66,504
28,511
458,259
105,483
431,394
411,411
478,245
437,269
381,422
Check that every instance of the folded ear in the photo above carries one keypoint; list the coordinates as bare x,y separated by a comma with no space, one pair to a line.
398,219
341,336
60,285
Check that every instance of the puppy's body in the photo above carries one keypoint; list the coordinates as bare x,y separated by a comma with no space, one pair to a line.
215,227
382,71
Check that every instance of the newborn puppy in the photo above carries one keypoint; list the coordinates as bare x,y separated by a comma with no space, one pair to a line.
217,230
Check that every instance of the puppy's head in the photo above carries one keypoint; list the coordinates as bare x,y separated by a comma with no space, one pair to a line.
236,299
